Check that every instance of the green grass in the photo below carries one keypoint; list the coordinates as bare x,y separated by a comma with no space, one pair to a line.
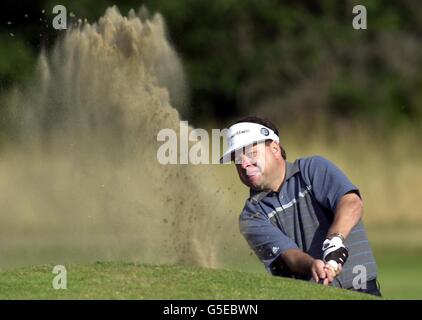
111,280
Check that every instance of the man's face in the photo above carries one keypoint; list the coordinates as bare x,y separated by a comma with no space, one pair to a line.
255,165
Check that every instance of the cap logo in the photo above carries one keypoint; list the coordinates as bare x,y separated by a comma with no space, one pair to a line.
239,132
265,132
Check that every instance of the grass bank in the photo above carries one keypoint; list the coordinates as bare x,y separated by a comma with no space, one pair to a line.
118,280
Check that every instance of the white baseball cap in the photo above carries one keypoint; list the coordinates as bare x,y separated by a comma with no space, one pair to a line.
243,134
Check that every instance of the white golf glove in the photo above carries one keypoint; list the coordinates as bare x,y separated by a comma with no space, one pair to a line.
334,252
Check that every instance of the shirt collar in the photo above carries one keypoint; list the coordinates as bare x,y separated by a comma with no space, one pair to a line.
291,170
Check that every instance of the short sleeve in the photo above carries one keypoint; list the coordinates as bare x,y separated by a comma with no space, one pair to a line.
265,239
328,182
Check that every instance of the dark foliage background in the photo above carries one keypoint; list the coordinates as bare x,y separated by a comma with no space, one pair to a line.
296,59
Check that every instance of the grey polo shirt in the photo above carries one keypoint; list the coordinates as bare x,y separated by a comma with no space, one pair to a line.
299,216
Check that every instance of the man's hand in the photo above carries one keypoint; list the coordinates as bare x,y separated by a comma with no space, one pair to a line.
300,262
335,267
322,271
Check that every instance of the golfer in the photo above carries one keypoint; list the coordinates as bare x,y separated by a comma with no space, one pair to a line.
302,219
